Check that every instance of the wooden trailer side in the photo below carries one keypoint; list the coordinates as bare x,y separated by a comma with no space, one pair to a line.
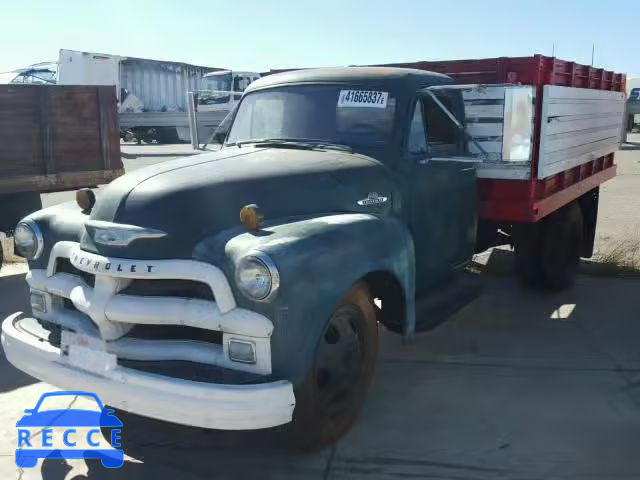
58,137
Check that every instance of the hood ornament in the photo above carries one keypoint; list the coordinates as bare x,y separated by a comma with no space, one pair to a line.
373,199
119,234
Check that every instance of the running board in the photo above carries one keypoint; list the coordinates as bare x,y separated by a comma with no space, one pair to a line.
436,306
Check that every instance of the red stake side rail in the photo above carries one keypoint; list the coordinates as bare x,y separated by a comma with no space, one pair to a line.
531,200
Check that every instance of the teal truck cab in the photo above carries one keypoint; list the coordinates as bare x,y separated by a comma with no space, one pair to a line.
243,289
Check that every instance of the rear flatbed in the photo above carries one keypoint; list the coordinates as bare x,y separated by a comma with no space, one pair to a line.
532,198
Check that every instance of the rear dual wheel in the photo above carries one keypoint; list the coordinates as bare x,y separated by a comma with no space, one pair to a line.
335,389
547,253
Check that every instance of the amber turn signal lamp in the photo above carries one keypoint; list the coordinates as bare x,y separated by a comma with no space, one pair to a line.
251,217
85,198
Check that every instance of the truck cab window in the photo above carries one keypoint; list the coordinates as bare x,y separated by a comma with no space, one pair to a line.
417,140
443,137
313,112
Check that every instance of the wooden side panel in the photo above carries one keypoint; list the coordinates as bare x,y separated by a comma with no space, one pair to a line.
75,124
109,129
577,126
20,143
58,137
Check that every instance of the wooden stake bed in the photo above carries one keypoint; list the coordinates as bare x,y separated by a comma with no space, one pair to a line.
55,137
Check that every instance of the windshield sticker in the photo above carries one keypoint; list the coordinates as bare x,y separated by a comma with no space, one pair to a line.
362,98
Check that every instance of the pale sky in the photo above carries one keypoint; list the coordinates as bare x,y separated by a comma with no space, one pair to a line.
259,35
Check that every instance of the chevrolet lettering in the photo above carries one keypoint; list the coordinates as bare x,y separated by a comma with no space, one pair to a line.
373,199
107,266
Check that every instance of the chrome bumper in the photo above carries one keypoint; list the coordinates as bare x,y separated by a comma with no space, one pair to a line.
227,407
105,312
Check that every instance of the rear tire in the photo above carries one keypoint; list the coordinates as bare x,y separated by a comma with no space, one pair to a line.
336,386
527,256
166,135
560,247
547,253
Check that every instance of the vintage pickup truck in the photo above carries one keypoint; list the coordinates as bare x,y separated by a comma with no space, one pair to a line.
243,289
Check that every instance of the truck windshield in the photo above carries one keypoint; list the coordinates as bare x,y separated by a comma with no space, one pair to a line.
217,83
325,113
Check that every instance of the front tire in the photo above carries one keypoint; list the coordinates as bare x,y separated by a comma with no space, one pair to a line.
336,386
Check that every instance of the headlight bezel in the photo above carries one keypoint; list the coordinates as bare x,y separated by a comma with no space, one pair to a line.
270,267
33,227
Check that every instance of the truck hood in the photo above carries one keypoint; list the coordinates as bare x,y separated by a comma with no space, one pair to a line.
194,198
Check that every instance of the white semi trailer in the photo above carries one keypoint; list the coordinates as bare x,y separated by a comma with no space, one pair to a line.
151,93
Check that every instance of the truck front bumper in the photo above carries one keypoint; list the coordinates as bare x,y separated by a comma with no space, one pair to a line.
226,407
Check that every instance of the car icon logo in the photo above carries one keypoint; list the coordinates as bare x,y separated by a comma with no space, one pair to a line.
69,421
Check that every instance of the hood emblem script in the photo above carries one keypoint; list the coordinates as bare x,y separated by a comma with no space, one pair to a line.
118,234
373,199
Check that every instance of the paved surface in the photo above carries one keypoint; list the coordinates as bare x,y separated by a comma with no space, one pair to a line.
518,385
619,214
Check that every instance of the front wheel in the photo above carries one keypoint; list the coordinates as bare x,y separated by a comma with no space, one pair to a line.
336,386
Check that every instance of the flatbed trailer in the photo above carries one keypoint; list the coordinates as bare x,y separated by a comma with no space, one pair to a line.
543,189
54,138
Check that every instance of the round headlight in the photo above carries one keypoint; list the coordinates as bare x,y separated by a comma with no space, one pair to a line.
28,240
257,276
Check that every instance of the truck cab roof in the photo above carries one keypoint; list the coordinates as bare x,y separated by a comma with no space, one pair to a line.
392,78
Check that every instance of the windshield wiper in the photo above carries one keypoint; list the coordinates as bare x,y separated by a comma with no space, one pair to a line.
297,142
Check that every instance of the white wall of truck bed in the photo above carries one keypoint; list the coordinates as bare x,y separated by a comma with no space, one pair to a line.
484,115
578,125
485,112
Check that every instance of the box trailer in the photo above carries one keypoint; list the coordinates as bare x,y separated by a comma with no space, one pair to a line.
152,93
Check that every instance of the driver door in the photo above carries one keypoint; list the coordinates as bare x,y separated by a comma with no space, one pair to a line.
443,198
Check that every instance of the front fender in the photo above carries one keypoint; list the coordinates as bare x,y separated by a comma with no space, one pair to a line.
319,259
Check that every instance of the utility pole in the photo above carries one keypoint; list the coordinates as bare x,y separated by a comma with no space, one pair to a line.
553,50
593,51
